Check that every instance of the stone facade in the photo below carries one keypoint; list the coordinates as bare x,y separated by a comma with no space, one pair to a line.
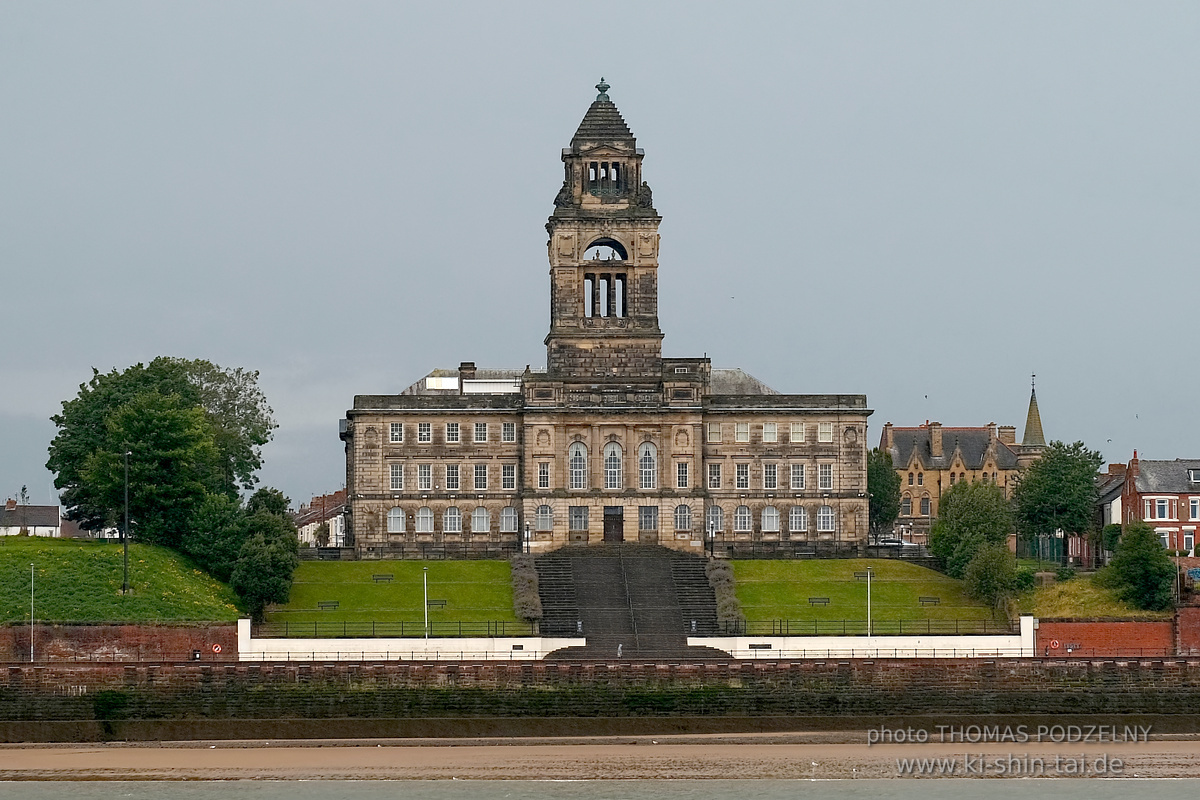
611,442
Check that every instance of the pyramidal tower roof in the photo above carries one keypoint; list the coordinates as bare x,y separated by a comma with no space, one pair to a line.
603,123
1033,423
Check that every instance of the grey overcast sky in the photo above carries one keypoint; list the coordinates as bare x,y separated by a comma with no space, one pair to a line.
922,202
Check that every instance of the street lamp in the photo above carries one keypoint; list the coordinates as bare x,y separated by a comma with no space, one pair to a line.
870,574
125,531
527,537
425,586
710,535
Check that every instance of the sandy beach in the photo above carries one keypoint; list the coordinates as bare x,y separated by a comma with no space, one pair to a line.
816,755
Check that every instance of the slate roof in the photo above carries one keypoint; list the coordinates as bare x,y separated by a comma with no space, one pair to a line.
29,516
1033,425
971,442
1166,477
1109,487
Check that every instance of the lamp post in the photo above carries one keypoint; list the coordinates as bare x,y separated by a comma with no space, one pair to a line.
527,537
710,533
125,531
31,613
425,586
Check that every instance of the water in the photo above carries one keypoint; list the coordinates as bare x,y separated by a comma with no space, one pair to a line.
940,789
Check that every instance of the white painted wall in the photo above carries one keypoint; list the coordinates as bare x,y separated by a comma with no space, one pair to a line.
1019,645
435,649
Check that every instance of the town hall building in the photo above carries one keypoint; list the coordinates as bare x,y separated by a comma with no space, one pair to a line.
611,441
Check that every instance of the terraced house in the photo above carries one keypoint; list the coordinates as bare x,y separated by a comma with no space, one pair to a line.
611,441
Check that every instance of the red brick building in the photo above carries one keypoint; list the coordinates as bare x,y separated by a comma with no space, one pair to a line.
1166,496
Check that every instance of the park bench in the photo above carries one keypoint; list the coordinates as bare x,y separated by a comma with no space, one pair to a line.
387,578
929,601
861,575
437,603
327,605
818,601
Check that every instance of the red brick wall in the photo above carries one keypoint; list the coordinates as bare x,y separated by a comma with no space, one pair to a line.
1090,638
1187,621
120,642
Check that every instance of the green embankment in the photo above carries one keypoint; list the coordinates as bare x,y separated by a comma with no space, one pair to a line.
474,591
773,590
79,581
1081,598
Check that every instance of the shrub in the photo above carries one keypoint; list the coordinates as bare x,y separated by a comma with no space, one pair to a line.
720,577
991,576
1141,571
1064,574
1024,580
526,602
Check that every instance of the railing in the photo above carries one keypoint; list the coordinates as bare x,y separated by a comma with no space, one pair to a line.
440,551
858,627
801,549
390,630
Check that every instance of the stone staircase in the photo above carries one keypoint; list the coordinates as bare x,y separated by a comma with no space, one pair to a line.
556,588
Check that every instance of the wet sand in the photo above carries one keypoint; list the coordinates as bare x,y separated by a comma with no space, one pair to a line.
796,756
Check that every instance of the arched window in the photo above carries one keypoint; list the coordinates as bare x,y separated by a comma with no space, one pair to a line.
577,466
925,506
508,520
612,466
910,479
481,521
906,506
452,520
920,479
825,519
683,518
424,519
395,522
741,519
544,520
798,519
716,518
648,466
951,478
770,519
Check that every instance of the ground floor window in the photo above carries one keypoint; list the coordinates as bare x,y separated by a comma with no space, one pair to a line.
825,519
424,519
508,520
741,519
544,518
683,518
798,519
716,518
395,521
577,516
648,518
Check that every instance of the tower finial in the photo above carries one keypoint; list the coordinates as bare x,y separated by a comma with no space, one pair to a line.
602,87
1033,381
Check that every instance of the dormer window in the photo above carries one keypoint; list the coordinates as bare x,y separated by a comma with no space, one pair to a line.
1194,475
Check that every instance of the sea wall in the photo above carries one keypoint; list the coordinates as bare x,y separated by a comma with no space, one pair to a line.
116,642
1089,638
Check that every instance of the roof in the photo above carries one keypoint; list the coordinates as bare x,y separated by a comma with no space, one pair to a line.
1033,424
972,444
736,381
1167,477
29,517
603,123
1109,486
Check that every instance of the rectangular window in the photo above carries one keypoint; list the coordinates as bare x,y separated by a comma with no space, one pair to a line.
681,475
508,432
1195,508
543,475
424,477
825,432
452,476
481,431
508,520
714,476
451,433
770,476
770,432
647,518
397,432
797,432
825,519
825,476
798,477
741,432
714,432
397,471
742,474
424,432
480,476
508,476
577,517
1160,510
924,506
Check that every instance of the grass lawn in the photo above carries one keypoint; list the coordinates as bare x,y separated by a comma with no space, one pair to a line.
474,591
1081,597
771,590
80,581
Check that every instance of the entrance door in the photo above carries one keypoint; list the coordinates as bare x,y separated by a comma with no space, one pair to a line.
614,524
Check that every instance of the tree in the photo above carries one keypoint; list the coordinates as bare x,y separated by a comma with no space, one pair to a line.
321,535
268,501
991,576
1141,571
1058,491
173,466
265,563
219,528
883,486
233,411
970,516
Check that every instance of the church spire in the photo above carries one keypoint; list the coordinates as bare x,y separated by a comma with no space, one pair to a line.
1033,422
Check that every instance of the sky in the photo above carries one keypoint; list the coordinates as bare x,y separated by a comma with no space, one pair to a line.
924,203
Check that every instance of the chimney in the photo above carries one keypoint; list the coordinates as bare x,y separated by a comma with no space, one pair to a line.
992,436
10,505
935,439
1116,469
466,372
889,439
1007,434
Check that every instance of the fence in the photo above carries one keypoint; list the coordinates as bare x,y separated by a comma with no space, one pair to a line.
917,554
419,551
391,630
858,627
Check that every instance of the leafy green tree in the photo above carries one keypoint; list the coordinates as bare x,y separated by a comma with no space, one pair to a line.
265,563
234,412
970,517
268,501
219,528
883,486
173,466
321,534
1058,491
1141,571
991,576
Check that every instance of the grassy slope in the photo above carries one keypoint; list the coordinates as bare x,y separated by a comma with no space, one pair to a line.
780,590
474,591
1081,598
81,582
